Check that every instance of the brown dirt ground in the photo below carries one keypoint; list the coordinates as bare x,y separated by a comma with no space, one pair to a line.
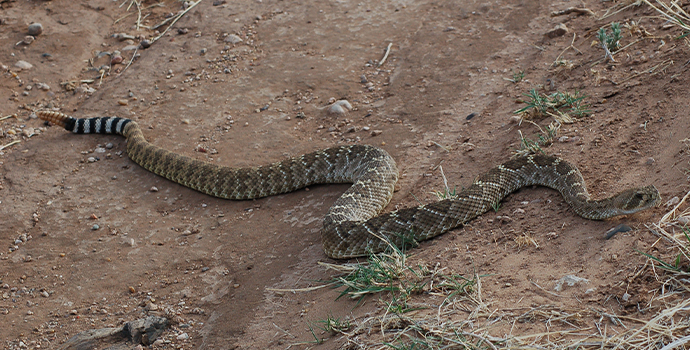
211,262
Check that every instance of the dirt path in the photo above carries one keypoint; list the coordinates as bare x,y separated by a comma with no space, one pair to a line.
91,240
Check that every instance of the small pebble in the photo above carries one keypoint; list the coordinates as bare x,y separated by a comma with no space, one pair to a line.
340,107
233,39
29,312
470,116
146,43
43,86
99,150
154,189
132,290
650,161
95,227
23,65
183,336
91,159
45,294
73,312
363,79
123,36
557,31
204,269
109,145
122,102
35,29
28,40
376,132
116,60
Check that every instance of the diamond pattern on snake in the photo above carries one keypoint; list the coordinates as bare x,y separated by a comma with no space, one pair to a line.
354,225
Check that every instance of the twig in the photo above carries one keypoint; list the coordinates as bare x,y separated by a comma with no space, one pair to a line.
569,10
439,145
9,144
566,49
445,181
130,60
385,56
87,81
138,14
294,290
175,21
8,116
145,8
547,291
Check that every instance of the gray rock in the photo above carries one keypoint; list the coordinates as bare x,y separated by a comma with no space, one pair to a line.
557,31
23,65
143,331
35,29
233,39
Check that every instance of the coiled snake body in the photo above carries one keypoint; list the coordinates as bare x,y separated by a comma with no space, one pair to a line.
353,227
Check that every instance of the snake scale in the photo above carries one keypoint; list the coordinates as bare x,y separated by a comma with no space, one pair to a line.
353,227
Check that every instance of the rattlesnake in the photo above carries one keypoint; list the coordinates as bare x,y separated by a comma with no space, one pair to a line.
353,227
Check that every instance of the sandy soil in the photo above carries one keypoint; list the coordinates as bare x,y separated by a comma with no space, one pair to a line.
92,243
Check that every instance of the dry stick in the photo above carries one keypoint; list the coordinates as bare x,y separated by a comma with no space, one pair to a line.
566,49
145,8
294,290
175,21
385,56
131,60
547,291
439,145
445,181
569,10
8,116
9,144
138,14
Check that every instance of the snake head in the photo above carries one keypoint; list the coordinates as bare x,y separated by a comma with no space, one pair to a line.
635,199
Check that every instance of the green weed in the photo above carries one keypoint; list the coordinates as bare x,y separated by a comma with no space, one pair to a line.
563,106
610,41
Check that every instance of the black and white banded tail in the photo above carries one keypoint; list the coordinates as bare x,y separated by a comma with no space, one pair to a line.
99,125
